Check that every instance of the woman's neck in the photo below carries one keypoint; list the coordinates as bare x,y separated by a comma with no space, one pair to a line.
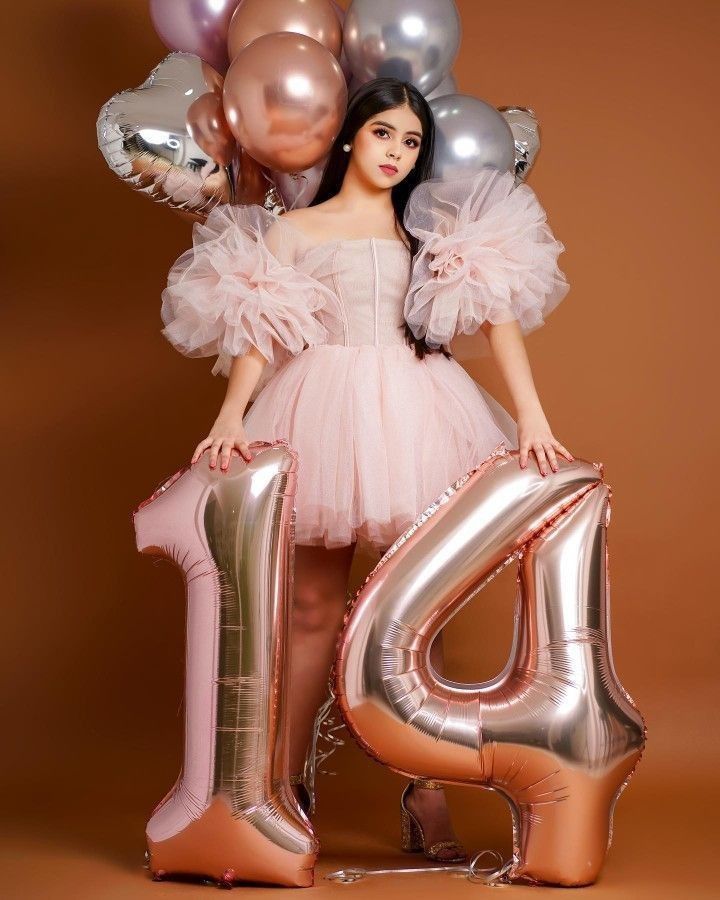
365,199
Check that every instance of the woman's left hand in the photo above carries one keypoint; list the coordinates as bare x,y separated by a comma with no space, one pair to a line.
534,434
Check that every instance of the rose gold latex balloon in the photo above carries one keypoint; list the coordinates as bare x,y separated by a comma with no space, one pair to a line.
231,815
213,79
555,732
285,98
315,18
209,129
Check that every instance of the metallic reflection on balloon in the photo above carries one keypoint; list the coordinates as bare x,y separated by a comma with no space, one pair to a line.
208,127
414,40
555,732
315,18
285,99
144,136
526,133
195,26
231,814
470,134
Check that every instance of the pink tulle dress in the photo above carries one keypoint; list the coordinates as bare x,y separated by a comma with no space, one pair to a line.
379,432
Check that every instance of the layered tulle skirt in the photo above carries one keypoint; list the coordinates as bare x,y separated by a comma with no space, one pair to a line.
379,434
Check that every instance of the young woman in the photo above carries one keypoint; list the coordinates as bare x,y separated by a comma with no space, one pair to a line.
335,320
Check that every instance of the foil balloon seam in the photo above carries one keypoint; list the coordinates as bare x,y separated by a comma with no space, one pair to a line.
619,684
499,451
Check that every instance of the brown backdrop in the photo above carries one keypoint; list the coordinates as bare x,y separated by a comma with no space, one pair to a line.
99,409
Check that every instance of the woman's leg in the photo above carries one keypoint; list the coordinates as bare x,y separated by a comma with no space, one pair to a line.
430,805
320,594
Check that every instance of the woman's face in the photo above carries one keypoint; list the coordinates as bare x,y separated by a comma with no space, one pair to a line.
386,148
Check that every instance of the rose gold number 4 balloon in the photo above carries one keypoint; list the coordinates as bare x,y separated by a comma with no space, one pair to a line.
555,732
231,815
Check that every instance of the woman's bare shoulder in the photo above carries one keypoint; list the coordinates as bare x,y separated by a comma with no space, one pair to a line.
307,215
315,221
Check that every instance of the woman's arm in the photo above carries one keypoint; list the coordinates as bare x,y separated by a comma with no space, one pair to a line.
508,348
227,436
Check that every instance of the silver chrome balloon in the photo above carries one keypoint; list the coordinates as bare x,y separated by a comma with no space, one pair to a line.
446,86
231,814
470,134
555,732
144,137
526,132
414,40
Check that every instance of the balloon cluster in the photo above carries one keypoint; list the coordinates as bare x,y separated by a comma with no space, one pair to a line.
249,102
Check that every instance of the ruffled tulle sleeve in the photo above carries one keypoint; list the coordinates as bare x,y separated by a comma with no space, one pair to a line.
486,254
237,287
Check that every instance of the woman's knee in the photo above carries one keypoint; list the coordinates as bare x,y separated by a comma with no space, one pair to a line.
317,607
319,590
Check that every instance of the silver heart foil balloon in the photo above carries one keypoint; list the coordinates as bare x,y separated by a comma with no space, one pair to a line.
526,132
144,136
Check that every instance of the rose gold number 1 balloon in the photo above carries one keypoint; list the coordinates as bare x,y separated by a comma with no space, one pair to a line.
554,732
231,815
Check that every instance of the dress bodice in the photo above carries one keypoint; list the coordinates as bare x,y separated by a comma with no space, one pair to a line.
370,279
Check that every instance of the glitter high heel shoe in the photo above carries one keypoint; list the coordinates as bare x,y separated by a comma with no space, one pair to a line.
304,795
412,836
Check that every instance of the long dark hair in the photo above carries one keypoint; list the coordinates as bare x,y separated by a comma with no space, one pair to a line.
372,98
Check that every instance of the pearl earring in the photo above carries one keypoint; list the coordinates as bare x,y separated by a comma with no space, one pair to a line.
346,148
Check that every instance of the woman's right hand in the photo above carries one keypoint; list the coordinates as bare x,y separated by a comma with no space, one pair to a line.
227,438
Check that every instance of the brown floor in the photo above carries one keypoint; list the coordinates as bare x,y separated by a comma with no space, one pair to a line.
665,838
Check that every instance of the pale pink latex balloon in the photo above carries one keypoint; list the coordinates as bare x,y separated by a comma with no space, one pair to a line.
285,99
297,189
209,129
231,814
315,18
344,61
195,26
555,733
